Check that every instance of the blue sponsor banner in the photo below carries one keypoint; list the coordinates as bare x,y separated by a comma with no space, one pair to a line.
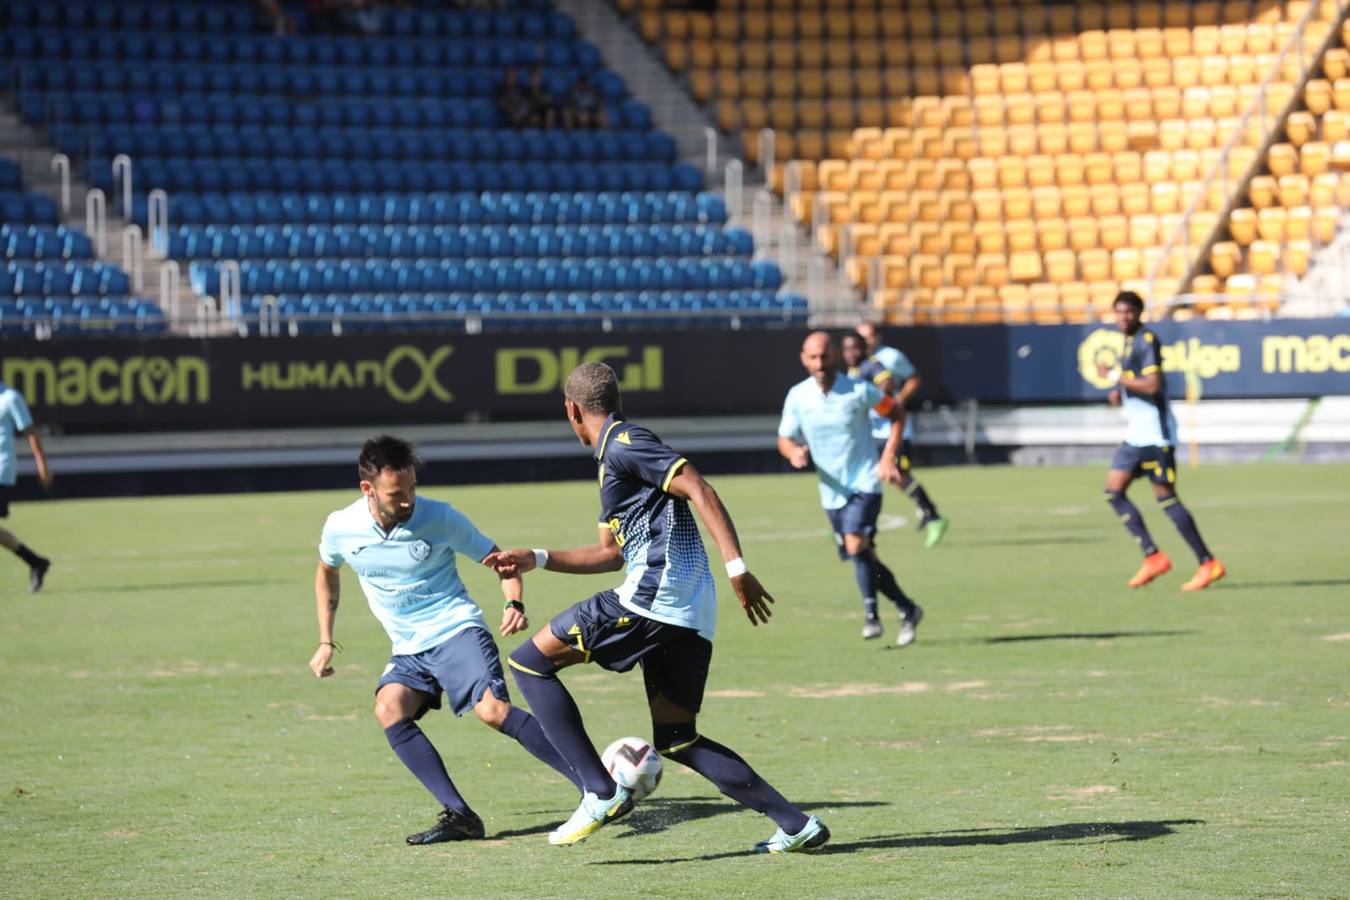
1221,360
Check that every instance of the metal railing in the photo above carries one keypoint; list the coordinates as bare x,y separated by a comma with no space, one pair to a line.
1179,251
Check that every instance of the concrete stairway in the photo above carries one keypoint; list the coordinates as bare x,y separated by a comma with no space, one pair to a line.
808,271
27,146
1325,290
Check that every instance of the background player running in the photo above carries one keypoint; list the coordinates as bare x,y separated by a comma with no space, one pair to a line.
15,419
825,419
902,382
403,549
662,617
1150,439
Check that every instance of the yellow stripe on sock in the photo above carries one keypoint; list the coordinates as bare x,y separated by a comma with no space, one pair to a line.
678,747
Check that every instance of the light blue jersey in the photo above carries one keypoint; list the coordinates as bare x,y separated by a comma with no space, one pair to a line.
902,370
1149,421
835,426
409,575
14,419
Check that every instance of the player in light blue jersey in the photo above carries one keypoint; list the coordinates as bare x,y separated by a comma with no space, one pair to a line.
403,549
895,374
15,420
660,618
825,420
1149,448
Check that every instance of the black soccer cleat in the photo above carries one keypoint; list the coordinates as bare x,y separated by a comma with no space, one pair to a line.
36,574
451,825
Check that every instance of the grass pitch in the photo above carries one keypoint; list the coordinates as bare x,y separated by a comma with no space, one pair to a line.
1050,734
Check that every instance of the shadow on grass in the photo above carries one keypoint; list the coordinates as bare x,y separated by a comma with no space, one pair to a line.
1297,583
1057,636
186,585
1089,832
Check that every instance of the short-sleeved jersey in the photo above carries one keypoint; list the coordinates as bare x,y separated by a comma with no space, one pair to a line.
408,574
872,369
834,425
667,568
1149,421
15,419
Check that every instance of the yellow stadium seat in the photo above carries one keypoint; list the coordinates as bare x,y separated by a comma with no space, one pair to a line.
1242,225
1052,139
1012,171
1082,233
1144,231
1127,263
926,270
895,272
894,239
1263,258
1272,224
1082,137
958,237
1100,74
1095,265
990,237
1044,303
1293,190
1113,232
1052,234
1322,190
1322,226
1040,170
1314,158
1022,140
958,270
1021,235
1025,266
1165,198
1282,159
1105,199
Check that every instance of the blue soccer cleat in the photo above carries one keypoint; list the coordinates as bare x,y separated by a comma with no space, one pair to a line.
592,815
812,837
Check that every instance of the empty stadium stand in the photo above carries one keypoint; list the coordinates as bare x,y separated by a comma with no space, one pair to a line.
371,182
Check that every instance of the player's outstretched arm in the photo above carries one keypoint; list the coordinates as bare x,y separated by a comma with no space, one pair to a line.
886,467
691,486
602,556
513,595
327,587
798,455
44,471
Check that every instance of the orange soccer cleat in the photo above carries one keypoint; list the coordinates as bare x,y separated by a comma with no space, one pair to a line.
1207,574
1154,565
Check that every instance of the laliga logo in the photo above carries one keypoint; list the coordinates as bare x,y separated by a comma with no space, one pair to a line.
427,383
1101,347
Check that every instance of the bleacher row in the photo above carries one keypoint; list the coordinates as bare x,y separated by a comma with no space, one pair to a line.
373,176
1023,162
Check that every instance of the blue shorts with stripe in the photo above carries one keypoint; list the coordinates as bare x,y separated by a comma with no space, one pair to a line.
674,660
857,516
1158,463
465,667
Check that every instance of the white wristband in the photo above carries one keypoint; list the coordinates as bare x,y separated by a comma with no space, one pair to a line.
540,558
736,567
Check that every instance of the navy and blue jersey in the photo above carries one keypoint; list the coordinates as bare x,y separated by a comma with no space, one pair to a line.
668,577
1149,421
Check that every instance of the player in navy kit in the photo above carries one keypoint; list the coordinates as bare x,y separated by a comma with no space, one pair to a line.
662,617
1149,448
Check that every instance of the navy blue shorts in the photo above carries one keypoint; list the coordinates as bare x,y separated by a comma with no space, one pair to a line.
674,660
1158,463
902,462
857,516
465,667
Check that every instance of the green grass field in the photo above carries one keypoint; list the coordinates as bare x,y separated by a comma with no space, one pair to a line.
1050,734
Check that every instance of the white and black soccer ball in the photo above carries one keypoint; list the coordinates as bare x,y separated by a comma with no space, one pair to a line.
633,763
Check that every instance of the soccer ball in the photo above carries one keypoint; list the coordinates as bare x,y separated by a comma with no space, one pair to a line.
633,763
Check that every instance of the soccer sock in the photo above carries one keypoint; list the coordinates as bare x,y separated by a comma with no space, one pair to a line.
558,715
1181,518
28,556
865,573
421,758
1133,522
891,588
927,511
525,728
734,777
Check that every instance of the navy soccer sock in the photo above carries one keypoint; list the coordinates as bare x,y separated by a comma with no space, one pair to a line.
731,774
421,758
1181,517
927,511
559,717
891,588
864,570
525,728
28,556
1133,522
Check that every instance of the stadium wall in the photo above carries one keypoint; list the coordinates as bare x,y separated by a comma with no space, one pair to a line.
117,385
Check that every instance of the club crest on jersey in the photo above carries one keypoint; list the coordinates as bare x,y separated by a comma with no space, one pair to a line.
420,550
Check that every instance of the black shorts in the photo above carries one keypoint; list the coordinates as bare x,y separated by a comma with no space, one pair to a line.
902,460
1158,463
5,490
674,659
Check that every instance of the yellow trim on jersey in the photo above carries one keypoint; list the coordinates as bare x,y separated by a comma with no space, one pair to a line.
678,747
1147,370
882,377
672,472
604,441
515,665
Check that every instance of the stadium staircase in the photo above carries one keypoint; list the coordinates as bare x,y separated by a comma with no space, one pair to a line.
999,162
807,271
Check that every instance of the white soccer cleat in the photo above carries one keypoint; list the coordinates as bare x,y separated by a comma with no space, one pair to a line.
592,815
871,629
813,836
909,627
